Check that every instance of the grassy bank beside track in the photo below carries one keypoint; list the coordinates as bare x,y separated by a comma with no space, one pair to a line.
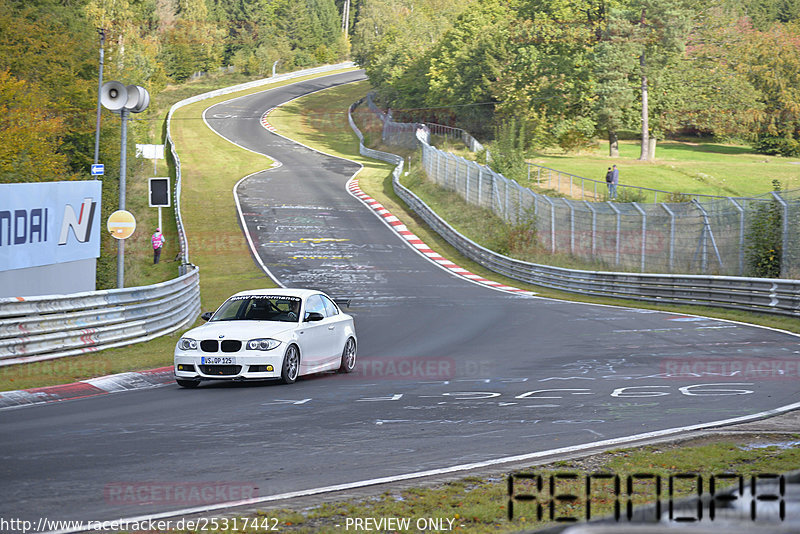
479,504
683,167
210,166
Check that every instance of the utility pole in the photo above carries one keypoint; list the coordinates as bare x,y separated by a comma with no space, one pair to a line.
645,149
102,33
346,17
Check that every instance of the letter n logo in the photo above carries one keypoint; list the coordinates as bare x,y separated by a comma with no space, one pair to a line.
81,224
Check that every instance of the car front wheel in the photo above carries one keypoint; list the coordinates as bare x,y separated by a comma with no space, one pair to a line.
291,365
348,356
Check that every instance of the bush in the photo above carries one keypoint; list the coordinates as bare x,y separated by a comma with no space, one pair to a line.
574,134
508,151
764,249
778,146
629,194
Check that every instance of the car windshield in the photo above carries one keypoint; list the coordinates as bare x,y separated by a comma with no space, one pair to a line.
259,308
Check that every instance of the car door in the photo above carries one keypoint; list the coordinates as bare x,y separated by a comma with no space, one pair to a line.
315,336
336,326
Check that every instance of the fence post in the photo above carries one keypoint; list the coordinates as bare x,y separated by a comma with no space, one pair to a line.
594,227
704,236
438,168
571,223
552,223
446,169
671,236
644,232
785,235
741,235
466,184
506,216
480,185
619,225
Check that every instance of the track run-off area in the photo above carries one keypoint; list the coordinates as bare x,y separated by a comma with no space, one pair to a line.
453,374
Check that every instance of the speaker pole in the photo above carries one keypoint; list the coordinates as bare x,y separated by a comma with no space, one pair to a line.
123,168
102,33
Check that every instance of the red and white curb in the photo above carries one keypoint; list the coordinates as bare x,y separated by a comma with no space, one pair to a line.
413,240
265,121
409,236
88,388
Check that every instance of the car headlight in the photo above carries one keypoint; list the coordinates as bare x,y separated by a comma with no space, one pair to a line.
262,344
187,343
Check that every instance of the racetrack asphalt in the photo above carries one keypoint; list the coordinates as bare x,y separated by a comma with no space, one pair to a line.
450,373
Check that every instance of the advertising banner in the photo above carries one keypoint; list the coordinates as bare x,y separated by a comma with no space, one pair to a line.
44,223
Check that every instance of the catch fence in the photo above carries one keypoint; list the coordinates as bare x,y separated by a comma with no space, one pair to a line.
701,234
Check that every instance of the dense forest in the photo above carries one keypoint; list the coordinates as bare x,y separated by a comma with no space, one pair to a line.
535,72
562,72
49,64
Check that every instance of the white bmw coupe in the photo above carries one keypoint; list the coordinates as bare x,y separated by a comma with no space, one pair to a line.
268,333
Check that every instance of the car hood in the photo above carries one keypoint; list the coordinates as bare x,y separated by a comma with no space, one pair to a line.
243,330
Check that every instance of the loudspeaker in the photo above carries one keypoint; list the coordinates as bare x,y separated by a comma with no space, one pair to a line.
138,99
113,96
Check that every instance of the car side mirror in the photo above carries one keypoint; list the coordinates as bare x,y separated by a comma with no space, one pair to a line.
314,316
206,316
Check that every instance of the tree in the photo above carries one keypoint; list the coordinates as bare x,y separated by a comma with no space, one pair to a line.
466,64
31,134
549,79
614,66
658,29
393,40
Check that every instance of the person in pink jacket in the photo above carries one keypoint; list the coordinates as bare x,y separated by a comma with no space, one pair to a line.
158,242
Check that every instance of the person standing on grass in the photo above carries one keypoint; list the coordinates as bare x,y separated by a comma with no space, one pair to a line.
158,242
608,181
612,186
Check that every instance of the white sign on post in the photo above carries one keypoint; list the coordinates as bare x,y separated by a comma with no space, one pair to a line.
150,151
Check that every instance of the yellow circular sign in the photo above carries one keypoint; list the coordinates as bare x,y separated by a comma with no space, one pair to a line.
121,224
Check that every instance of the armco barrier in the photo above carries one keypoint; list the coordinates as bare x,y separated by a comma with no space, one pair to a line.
54,326
766,295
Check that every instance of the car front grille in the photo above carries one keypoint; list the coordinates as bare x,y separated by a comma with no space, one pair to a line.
220,370
209,345
231,345
228,345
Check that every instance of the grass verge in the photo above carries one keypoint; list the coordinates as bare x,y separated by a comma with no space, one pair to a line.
480,504
211,167
683,167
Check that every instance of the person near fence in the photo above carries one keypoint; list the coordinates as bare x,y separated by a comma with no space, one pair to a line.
612,184
158,242
608,181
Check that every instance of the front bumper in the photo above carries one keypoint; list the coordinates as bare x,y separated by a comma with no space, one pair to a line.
243,365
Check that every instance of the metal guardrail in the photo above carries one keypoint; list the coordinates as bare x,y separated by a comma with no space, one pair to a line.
766,295
55,326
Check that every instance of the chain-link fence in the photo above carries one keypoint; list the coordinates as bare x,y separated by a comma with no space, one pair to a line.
709,235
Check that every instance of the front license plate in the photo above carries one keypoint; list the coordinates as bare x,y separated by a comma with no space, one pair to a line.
217,360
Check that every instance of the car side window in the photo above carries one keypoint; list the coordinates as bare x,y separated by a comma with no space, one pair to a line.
315,304
330,308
